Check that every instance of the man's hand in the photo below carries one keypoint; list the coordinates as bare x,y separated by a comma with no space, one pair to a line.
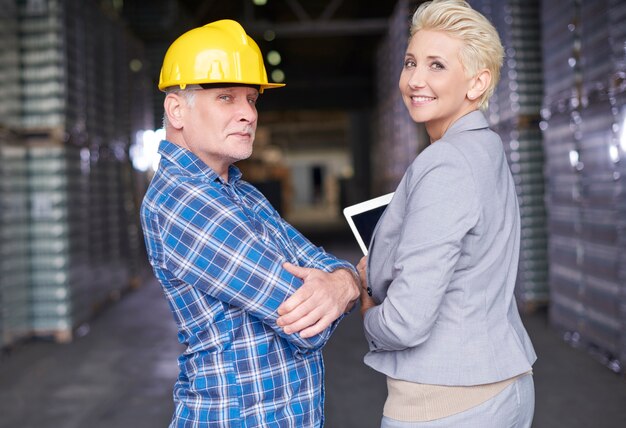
322,299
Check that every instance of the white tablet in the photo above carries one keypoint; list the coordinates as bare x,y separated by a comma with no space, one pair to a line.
363,217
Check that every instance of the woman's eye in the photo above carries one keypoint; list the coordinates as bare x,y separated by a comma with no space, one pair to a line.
437,66
408,63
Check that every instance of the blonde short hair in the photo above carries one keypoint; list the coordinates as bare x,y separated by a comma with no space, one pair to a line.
481,44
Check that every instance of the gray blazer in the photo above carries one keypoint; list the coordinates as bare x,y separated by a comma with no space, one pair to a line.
442,264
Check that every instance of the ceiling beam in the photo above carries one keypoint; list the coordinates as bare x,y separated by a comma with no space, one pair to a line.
326,28
330,9
298,10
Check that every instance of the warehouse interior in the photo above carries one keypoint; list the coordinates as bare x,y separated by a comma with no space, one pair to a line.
86,335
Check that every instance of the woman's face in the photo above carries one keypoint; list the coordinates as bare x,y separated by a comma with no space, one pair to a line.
433,83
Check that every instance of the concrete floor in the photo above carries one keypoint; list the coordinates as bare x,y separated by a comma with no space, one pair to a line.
120,372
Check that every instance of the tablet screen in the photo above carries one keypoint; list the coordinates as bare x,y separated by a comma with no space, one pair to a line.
363,218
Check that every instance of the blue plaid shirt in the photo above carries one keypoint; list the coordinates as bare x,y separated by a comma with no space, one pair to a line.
217,249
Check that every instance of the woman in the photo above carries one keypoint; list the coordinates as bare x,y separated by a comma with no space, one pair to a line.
442,321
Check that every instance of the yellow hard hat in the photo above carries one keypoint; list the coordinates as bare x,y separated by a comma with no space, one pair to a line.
219,52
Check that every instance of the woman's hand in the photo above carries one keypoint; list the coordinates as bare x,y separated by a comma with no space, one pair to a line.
366,292
362,270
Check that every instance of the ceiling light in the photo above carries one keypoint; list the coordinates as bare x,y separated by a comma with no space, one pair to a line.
135,65
269,35
273,57
278,75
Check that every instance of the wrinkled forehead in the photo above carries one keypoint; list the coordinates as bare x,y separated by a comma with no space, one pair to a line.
226,85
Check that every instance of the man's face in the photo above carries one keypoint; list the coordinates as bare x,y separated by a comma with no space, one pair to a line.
219,128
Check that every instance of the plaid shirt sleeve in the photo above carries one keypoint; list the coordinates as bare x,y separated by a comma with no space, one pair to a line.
210,243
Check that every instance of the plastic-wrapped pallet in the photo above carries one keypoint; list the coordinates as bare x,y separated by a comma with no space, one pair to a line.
42,64
584,172
523,146
14,248
61,274
600,190
9,65
105,221
74,70
561,134
97,233
80,99
595,47
601,179
59,45
520,89
131,239
621,223
560,50
617,34
119,266
563,195
514,113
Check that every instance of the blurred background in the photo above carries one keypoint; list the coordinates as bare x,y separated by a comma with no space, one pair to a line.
85,331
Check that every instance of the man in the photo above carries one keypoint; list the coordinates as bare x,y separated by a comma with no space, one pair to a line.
254,300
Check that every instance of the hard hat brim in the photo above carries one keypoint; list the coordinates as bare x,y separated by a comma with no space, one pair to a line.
261,86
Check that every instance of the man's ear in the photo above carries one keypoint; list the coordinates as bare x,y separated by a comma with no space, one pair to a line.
174,106
480,83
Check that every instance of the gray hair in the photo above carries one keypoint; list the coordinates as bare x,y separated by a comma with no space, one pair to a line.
189,94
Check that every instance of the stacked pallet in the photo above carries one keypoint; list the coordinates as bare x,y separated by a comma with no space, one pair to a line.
80,100
9,65
61,274
107,246
14,290
583,115
14,241
617,98
514,113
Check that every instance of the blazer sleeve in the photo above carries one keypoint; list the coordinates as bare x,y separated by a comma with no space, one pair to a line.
441,208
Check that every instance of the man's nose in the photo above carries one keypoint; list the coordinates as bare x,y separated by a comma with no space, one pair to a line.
247,111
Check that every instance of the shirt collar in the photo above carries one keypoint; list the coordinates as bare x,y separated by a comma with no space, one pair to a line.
192,165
